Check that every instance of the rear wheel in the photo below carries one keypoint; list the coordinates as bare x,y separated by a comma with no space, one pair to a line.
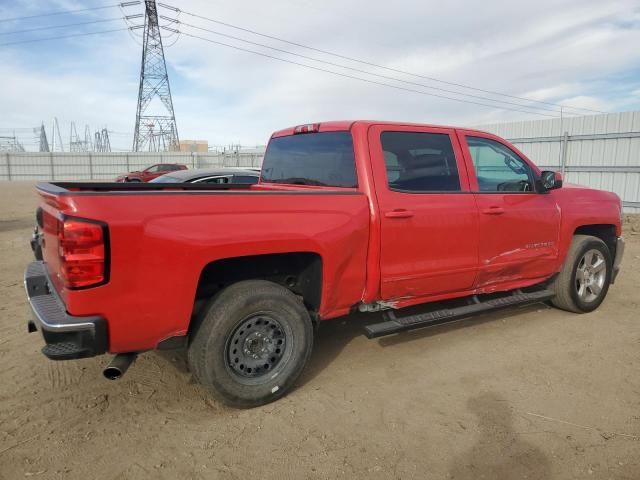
252,344
583,282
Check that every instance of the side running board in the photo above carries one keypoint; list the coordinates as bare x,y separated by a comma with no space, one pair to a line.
396,324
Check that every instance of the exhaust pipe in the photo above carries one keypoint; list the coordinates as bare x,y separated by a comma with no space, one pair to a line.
119,365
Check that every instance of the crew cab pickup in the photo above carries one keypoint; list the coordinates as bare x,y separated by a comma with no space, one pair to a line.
347,215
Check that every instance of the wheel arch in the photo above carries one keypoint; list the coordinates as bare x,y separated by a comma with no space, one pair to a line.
300,272
603,231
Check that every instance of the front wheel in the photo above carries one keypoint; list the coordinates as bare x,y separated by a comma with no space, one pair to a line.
583,282
252,344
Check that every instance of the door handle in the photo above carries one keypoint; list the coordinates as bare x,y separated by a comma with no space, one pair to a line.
399,213
493,210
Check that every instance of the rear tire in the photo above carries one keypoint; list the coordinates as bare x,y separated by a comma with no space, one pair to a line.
253,343
583,283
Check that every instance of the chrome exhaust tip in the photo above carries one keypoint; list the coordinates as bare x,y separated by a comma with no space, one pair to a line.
119,365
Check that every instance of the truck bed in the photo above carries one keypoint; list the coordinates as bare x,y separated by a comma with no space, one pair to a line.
162,236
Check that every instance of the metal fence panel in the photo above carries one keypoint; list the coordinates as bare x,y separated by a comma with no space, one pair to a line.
4,166
602,151
107,166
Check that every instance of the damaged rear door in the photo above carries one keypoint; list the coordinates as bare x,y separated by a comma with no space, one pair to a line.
518,227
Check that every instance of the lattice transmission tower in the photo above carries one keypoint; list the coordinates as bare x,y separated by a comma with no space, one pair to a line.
156,128
43,143
102,142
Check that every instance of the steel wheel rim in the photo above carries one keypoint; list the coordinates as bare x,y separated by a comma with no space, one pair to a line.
591,274
258,348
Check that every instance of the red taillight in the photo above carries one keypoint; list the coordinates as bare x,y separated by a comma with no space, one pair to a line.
309,128
82,253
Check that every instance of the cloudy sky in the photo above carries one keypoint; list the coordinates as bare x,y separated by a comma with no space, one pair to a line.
581,53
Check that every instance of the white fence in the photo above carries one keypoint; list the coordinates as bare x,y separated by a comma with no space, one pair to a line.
600,151
107,166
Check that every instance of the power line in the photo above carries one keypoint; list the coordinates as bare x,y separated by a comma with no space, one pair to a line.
68,36
353,76
364,62
386,77
51,27
66,12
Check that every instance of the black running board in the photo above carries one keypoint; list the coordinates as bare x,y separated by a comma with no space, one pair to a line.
399,324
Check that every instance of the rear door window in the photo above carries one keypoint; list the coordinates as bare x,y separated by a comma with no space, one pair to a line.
420,162
324,159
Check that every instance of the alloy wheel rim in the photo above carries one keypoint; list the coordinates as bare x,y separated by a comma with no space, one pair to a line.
590,275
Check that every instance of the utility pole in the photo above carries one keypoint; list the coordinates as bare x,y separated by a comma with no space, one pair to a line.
155,128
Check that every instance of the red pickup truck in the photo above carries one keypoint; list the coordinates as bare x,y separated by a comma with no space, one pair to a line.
362,215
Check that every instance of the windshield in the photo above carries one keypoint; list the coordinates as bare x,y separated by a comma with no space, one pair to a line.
324,159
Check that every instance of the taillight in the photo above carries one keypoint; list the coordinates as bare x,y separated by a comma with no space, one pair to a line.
82,253
309,128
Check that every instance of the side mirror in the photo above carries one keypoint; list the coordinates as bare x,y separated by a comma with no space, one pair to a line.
550,180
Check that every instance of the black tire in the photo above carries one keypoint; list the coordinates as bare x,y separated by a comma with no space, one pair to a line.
567,285
243,324
133,180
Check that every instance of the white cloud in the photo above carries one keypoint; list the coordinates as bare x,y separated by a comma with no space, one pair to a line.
585,101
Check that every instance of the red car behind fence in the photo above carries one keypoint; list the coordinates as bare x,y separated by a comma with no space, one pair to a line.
149,173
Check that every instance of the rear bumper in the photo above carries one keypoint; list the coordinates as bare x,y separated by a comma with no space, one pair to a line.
66,336
618,258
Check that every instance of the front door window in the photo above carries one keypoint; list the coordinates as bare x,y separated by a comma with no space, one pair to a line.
498,169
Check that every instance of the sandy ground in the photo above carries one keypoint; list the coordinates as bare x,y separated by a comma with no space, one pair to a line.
535,393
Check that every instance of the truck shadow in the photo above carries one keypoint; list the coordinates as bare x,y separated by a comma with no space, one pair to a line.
332,336
499,452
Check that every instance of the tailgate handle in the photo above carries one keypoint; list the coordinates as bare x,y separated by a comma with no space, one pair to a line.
493,210
399,213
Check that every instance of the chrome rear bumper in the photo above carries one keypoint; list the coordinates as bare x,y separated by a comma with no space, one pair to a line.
66,336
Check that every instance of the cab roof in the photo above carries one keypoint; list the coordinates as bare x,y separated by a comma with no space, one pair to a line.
346,125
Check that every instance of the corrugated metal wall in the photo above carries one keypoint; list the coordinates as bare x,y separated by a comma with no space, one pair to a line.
107,166
600,151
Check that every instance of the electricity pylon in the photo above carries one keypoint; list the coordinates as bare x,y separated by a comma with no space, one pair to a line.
156,128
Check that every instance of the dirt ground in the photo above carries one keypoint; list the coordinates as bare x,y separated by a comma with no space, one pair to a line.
534,393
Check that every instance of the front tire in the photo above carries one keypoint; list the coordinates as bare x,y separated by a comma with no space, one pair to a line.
583,283
253,343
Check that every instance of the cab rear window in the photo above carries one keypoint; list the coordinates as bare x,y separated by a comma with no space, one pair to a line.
324,159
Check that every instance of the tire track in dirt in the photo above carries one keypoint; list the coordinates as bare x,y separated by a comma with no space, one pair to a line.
60,376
